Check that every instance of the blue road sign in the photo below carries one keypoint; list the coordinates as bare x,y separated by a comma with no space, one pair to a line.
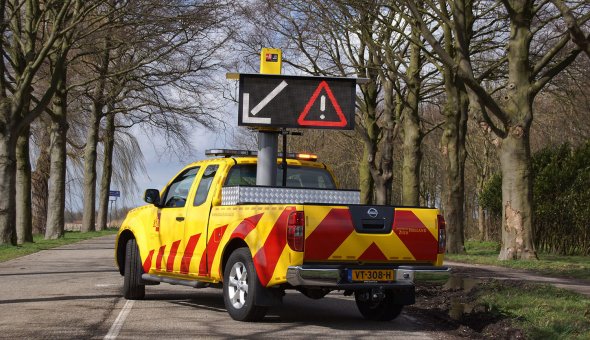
114,193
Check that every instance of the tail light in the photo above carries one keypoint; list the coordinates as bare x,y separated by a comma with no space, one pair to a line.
296,230
442,234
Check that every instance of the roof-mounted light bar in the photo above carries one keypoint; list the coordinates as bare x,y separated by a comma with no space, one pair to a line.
243,153
306,156
230,152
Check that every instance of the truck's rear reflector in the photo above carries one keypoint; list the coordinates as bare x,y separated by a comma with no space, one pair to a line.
442,234
296,230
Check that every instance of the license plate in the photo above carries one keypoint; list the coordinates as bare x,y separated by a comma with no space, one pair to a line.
371,275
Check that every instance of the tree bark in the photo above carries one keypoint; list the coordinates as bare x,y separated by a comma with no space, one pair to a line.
453,149
412,134
39,183
107,171
24,230
384,173
370,140
57,181
366,183
89,212
517,227
8,188
514,149
57,177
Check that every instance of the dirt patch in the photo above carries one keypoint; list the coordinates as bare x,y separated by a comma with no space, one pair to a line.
450,311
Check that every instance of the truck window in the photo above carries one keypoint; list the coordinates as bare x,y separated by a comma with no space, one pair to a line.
205,184
297,177
177,191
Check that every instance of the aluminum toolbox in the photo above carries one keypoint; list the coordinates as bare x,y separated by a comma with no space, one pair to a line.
235,195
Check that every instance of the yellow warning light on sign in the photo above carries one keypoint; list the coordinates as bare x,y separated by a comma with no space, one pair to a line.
271,61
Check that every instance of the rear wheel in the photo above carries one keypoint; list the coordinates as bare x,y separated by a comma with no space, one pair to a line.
239,287
132,289
377,306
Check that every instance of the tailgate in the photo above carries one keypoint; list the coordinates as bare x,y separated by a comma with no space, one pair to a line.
371,234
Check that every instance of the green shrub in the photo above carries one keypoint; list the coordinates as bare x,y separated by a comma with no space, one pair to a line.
561,192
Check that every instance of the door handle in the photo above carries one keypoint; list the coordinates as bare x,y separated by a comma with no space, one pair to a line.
180,218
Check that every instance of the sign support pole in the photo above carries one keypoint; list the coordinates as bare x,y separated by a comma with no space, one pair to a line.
268,141
266,173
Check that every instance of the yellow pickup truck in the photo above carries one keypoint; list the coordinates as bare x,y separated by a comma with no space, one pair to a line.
211,226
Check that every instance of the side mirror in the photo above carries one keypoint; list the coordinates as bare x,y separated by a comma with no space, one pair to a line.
152,196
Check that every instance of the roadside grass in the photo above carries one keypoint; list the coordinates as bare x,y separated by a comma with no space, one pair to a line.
541,310
548,264
39,243
432,278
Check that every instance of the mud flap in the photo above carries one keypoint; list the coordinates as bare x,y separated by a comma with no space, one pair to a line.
267,296
404,295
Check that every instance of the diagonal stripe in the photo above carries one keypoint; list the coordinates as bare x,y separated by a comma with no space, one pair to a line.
172,256
373,253
246,226
267,257
329,235
160,256
147,265
211,250
415,236
188,253
269,97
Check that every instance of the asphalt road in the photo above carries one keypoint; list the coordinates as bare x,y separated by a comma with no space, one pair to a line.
74,292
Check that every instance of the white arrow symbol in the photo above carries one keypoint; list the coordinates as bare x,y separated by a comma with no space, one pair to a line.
246,106
269,97
246,118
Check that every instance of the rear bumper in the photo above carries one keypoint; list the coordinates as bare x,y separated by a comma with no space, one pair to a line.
336,277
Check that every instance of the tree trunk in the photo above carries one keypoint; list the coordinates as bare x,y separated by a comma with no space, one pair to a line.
365,179
453,149
8,189
385,174
370,139
107,171
517,227
39,180
24,230
89,212
98,103
57,177
514,149
412,135
481,223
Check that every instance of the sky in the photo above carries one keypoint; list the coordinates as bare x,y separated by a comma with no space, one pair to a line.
161,166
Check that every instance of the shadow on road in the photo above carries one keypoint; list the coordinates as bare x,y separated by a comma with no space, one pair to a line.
60,298
62,272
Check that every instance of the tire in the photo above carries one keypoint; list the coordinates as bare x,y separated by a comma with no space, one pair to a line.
384,310
132,289
239,287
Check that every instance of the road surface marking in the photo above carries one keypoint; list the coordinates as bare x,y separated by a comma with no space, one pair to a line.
116,327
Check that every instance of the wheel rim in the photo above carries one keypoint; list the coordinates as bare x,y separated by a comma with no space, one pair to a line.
238,285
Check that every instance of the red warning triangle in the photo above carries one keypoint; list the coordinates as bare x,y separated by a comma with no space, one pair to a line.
373,253
323,86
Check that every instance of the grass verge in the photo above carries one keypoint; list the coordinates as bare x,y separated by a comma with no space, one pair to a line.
553,265
542,311
39,243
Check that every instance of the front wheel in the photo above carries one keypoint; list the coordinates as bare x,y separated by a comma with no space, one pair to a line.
239,287
132,289
375,307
